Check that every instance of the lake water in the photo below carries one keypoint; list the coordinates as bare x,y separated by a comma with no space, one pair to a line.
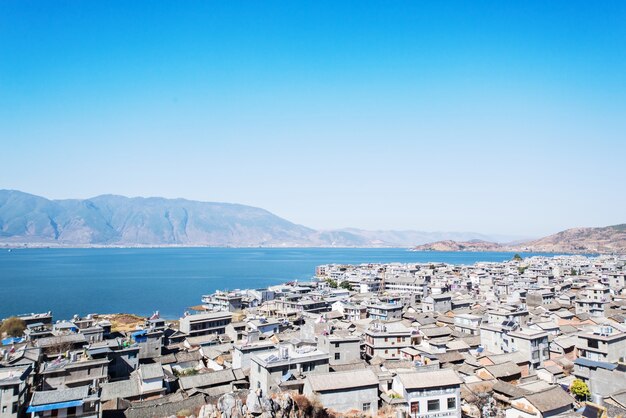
141,280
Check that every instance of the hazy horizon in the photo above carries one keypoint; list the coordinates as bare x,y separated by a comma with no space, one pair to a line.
496,118
496,236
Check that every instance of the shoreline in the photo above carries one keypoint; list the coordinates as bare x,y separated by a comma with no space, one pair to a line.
32,246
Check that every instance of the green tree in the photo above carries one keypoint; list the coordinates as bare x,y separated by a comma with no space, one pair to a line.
573,272
345,285
13,327
517,257
332,283
579,389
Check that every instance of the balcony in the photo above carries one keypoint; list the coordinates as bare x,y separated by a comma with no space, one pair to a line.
600,348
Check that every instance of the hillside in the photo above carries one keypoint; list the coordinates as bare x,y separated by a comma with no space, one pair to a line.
111,220
609,239
449,245
118,220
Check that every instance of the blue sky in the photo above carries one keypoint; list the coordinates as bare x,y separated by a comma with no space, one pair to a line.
495,117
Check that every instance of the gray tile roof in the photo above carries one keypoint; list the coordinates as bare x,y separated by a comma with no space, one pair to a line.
550,400
121,389
322,382
506,369
151,371
207,379
61,339
422,380
60,395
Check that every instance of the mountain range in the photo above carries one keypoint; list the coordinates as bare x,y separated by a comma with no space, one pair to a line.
608,239
111,220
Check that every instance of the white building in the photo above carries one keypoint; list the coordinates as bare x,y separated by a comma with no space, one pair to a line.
269,369
431,393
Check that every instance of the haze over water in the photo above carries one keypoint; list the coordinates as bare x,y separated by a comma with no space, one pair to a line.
141,280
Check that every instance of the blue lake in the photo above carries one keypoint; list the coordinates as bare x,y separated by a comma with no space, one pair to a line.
141,280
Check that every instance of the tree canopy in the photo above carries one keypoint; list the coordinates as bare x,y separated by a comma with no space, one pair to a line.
13,327
579,389
345,285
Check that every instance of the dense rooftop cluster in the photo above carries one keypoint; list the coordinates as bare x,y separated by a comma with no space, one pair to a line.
534,337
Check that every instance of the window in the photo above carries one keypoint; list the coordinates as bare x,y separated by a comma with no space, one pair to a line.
592,343
433,405
451,403
336,345
398,339
337,356
415,408
14,410
366,406
71,411
386,339
4,409
258,368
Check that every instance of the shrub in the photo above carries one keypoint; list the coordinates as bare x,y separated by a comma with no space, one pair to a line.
579,389
13,327
346,285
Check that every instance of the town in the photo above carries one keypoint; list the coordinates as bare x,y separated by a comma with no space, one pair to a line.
529,337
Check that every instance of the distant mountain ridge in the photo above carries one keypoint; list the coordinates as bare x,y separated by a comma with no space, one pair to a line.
603,240
111,220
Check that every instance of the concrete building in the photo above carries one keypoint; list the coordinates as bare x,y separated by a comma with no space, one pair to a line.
14,385
430,393
341,348
387,339
205,323
507,314
345,391
468,324
532,343
223,301
242,353
146,382
437,303
65,403
350,311
606,345
384,311
76,370
264,326
270,369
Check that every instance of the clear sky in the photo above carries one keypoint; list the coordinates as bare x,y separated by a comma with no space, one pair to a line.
496,117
